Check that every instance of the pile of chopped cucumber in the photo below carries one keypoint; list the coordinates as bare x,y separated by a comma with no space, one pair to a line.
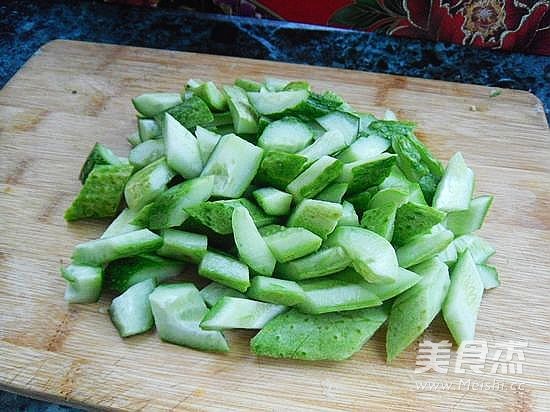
314,223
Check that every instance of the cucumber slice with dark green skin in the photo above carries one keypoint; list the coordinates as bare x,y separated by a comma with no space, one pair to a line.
182,150
213,292
456,187
211,95
238,313
277,103
100,155
225,270
316,216
131,312
142,216
480,249
424,247
192,112
413,311
393,196
124,273
253,249
363,174
244,117
471,219
134,139
331,336
147,184
461,305
397,180
364,148
276,291
274,202
489,276
372,256
329,143
234,163
317,105
178,310
151,104
413,219
100,251
315,178
185,246
333,193
380,220
221,119
278,169
248,85
217,215
122,224
169,208
101,194
148,129
83,283
207,141
286,135
349,216
333,295
361,200
321,263
346,123
292,243
146,153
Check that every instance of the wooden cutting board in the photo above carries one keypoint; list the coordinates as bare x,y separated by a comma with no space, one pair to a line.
72,94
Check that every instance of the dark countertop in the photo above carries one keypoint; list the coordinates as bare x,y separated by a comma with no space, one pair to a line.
27,25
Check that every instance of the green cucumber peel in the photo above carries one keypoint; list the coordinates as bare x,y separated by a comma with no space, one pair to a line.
99,155
315,178
413,219
364,174
278,169
380,220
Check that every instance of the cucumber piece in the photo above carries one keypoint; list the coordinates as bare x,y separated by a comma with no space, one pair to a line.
147,184
207,141
286,135
131,312
217,215
237,313
361,200
213,292
365,120
146,153
234,163
191,113
244,118
248,85
124,273
321,263
363,174
122,224
331,336
275,85
251,246
413,219
134,139
449,255
489,276
180,245
391,196
333,193
178,310
333,295
461,305
211,95
380,220
277,103
315,178
142,216
316,216
480,249
372,256
424,247
270,229
83,283
349,217
182,149
99,155
148,129
292,243
329,143
273,201
471,219
278,169
169,208
100,251
364,148
456,187
101,194
413,311
316,129
221,119
397,180
225,270
151,104
276,291
346,123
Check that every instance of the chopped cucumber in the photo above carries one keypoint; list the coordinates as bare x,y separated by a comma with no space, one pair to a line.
147,184
349,216
397,180
321,263
471,219
292,243
449,255
364,148
225,270
238,313
244,118
148,129
329,143
361,201
191,113
489,276
270,229
213,292
276,291
277,103
413,219
131,312
275,85
83,283
178,310
99,155
134,139
455,189
480,249
315,178
366,173
208,92
424,247
273,201
141,217
182,150
122,224
333,193
392,196
151,104
278,169
248,85
380,220
180,245
286,135
316,216
207,141
346,123
146,153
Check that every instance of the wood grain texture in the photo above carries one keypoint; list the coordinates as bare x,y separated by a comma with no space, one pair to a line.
72,94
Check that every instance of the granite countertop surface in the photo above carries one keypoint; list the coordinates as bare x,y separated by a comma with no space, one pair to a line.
27,25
